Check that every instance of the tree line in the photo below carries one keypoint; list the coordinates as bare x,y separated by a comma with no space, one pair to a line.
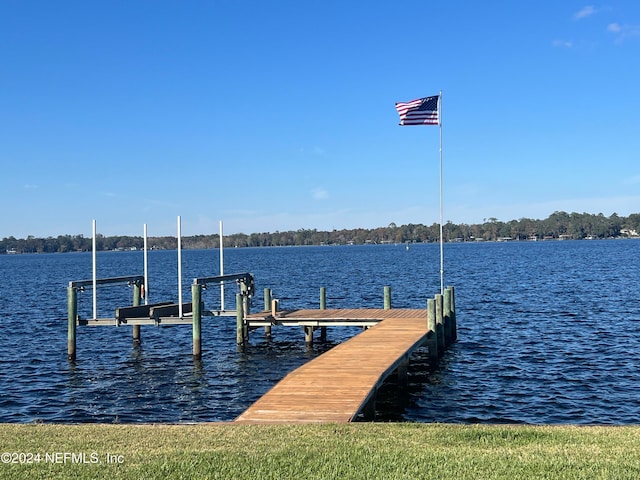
559,225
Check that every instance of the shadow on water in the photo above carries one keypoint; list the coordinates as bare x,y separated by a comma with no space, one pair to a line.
397,395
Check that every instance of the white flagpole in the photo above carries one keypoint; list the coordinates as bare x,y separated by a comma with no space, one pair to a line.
94,270
221,268
441,237
145,266
179,268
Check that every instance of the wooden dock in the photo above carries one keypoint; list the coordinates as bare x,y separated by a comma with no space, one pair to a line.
340,385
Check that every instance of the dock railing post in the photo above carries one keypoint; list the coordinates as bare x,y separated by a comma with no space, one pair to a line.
439,324
387,298
432,336
196,299
239,320
267,306
72,313
136,302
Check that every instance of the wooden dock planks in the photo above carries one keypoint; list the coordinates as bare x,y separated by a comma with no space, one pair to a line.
337,385
333,317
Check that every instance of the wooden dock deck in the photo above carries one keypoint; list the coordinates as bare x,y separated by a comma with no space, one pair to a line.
339,385
363,317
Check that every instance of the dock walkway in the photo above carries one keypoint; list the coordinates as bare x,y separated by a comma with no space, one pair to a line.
340,384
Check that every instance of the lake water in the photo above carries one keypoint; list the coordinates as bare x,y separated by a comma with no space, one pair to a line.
548,333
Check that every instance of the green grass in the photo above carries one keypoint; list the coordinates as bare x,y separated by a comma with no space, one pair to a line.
358,451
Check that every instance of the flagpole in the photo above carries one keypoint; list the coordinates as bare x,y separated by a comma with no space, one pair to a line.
421,112
441,236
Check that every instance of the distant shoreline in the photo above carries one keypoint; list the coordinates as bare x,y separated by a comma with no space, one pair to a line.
558,226
479,241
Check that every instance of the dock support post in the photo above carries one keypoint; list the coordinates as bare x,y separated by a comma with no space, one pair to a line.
387,298
267,306
432,336
448,327
454,322
240,338
439,324
308,335
323,306
136,301
196,298
246,300
246,307
267,299
72,309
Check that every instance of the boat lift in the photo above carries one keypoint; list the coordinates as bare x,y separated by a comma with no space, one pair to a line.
161,313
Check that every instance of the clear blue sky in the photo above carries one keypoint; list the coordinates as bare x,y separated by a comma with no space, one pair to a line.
279,115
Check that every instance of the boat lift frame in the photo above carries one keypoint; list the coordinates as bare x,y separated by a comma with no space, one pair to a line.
162,313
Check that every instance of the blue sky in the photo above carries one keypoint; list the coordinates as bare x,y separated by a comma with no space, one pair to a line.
279,115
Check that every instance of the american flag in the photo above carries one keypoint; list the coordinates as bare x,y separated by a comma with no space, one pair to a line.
423,111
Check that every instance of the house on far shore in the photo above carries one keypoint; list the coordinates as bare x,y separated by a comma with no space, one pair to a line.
629,232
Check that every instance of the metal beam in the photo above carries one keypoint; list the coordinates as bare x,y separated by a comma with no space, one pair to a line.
104,281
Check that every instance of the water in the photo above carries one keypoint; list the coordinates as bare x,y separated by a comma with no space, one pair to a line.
548,333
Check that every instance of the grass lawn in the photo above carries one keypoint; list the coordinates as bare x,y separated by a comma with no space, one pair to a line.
358,451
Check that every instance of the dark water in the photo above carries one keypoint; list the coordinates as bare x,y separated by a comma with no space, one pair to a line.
549,332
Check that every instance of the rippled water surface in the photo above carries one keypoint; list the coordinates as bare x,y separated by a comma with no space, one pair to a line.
549,332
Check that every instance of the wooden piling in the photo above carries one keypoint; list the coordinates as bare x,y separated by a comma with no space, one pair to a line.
136,335
246,308
267,299
246,300
446,317
454,322
72,313
387,298
196,298
432,336
267,306
442,346
240,338
136,302
308,335
323,306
